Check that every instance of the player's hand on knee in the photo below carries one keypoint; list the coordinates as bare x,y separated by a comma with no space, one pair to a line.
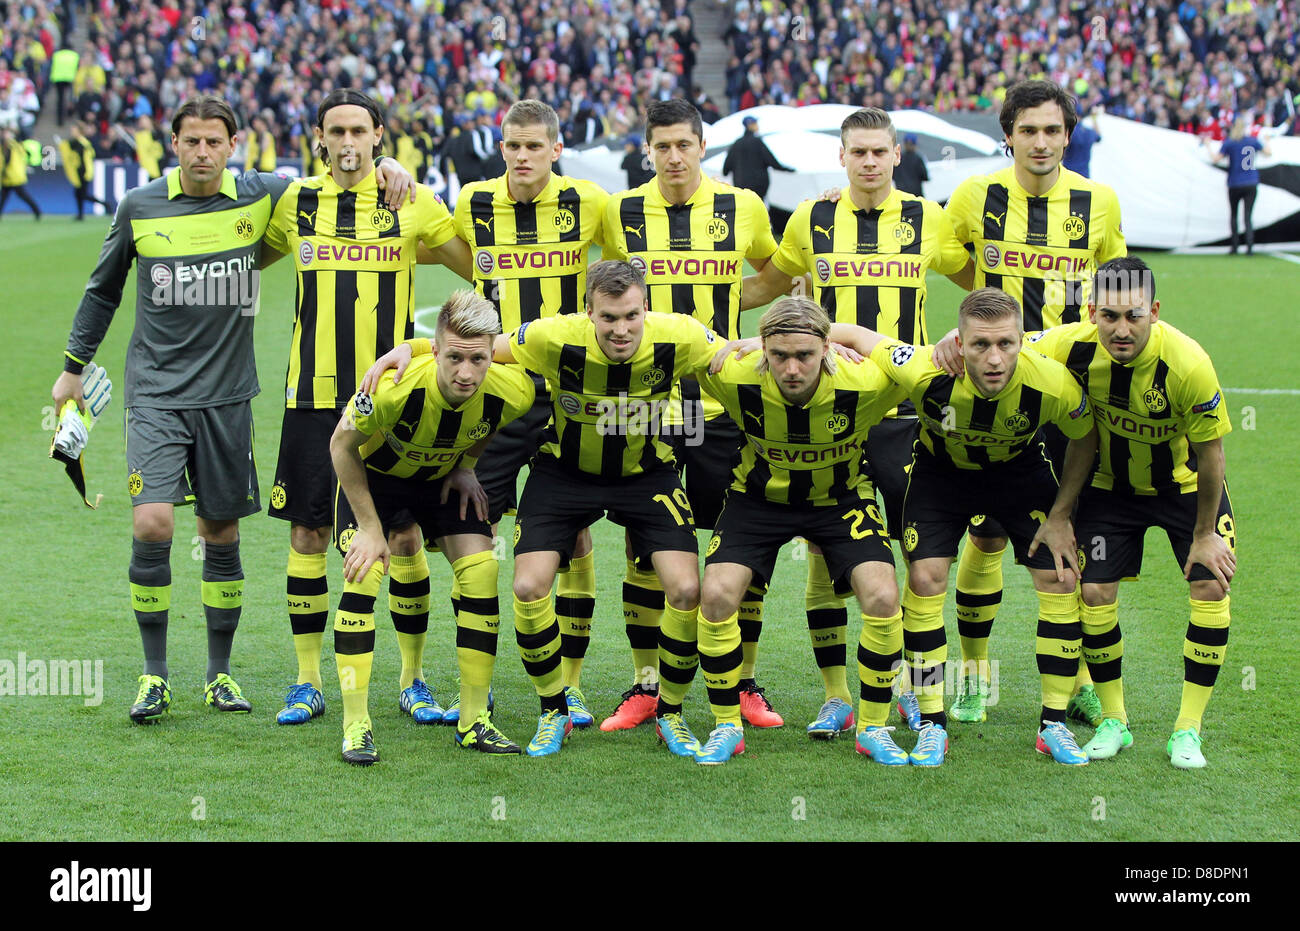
1058,537
366,550
947,356
1212,551
397,358
67,387
465,483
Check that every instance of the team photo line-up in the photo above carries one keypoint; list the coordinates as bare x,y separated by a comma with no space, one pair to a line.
1061,409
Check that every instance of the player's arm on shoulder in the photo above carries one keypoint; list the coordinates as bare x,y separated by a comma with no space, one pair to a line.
613,245
907,365
763,243
859,339
439,243
1054,342
1201,397
1114,245
770,283
396,182
275,241
951,258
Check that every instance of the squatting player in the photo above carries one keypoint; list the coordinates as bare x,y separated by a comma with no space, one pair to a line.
1038,231
978,453
399,455
1162,419
690,236
530,231
868,254
190,375
805,416
354,259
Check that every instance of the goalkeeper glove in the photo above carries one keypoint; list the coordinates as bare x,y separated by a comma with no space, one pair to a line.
73,431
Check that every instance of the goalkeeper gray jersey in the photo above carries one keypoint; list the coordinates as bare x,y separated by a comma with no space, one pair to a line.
196,291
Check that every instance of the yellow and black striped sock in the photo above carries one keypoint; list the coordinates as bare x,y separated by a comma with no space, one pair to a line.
828,627
223,600
308,596
1103,649
150,575
721,658
678,657
1058,647
979,594
538,634
751,628
575,604
643,606
880,652
1203,653
354,643
408,602
478,618
925,648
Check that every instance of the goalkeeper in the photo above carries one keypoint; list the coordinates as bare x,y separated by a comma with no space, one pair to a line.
195,236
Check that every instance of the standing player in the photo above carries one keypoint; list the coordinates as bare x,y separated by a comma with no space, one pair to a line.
394,452
1162,420
1039,231
690,236
978,453
354,259
530,231
868,254
804,418
190,374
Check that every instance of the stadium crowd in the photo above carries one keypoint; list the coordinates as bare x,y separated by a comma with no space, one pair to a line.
1191,65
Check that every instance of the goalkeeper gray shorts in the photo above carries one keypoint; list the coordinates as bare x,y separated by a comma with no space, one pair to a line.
200,456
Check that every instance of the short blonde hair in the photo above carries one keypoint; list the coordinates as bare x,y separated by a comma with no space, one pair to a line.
466,313
797,315
989,304
534,113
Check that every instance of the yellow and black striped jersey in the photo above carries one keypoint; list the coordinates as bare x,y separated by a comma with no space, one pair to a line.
530,258
1043,251
803,454
692,254
415,433
354,259
1148,411
868,267
962,428
605,416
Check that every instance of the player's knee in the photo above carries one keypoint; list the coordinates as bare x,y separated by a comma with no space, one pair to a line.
879,601
927,580
407,541
989,544
1095,596
308,540
682,593
1207,590
153,523
528,588
582,544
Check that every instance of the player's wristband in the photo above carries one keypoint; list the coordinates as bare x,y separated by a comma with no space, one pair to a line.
70,364
468,462
420,346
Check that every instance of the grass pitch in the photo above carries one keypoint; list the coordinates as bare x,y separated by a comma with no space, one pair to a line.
73,771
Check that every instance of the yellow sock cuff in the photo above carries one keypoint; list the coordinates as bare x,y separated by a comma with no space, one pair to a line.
532,616
1097,619
883,635
307,565
369,584
151,598
580,564
978,572
642,578
227,594
1210,613
819,591
466,565
1058,607
681,625
922,612
718,638
409,568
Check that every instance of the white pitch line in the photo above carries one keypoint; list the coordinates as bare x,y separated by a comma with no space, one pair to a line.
1288,391
421,328
1285,257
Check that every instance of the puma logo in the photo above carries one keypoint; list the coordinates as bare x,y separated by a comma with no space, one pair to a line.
487,224
634,230
574,371
309,217
410,425
824,230
997,217
166,236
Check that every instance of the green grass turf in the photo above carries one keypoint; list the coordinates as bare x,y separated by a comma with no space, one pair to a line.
69,771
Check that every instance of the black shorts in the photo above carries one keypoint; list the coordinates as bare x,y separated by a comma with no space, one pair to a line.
705,457
305,484
1111,526
888,460
1053,442
941,500
751,531
557,503
401,502
510,450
